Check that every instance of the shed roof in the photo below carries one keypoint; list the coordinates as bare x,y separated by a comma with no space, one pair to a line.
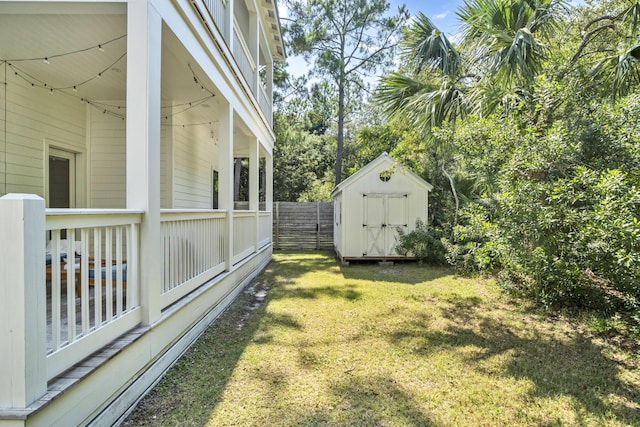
383,159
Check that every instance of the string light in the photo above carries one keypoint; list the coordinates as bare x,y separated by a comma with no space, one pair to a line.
188,105
46,59
187,125
199,82
35,82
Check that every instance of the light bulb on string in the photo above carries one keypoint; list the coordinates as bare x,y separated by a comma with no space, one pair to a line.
100,48
46,60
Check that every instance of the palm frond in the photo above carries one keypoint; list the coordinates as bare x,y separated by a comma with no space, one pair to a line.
509,34
396,91
426,105
627,71
426,47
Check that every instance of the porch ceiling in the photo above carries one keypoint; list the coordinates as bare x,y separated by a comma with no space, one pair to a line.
85,46
89,52
66,50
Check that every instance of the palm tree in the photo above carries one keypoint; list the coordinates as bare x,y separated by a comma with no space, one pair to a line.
504,47
620,64
434,91
506,38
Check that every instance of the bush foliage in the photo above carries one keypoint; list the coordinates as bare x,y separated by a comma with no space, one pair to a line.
554,212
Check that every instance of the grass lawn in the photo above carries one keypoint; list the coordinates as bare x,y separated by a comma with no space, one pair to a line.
401,345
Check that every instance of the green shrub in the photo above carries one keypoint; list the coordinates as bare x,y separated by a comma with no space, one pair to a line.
471,246
423,243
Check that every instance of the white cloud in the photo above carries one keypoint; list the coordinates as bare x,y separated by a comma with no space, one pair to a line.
441,15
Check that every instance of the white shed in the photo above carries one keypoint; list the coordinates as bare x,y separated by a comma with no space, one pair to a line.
372,204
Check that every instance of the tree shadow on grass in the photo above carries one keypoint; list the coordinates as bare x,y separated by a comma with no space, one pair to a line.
347,292
293,266
557,362
193,387
409,272
379,400
565,364
357,401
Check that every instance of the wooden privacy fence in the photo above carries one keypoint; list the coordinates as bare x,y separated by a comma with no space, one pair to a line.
304,225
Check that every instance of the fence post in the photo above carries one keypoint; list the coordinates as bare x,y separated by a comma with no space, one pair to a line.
277,230
23,371
318,226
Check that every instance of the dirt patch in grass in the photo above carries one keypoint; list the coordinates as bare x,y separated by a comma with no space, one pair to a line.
315,343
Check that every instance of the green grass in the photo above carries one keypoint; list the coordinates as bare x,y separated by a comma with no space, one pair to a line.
403,345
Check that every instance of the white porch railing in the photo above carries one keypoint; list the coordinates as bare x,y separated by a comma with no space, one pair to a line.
244,227
218,11
89,293
242,55
92,281
193,244
265,103
265,228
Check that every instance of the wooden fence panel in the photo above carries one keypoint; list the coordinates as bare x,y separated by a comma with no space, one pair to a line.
303,226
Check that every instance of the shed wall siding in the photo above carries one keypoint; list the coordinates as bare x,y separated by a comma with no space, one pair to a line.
34,118
351,238
337,222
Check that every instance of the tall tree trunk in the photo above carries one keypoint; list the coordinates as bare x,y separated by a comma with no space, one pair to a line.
341,85
455,197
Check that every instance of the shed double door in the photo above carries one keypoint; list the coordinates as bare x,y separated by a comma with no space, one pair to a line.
383,215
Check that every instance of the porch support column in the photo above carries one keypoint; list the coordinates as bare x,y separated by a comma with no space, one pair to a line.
225,176
268,192
22,300
268,189
254,200
144,43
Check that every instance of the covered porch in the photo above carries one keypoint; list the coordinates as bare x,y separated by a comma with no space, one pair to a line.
137,179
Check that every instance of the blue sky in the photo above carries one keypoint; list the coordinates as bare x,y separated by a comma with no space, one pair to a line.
442,14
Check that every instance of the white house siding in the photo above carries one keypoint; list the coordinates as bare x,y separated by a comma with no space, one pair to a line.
3,97
107,160
35,120
166,163
193,150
